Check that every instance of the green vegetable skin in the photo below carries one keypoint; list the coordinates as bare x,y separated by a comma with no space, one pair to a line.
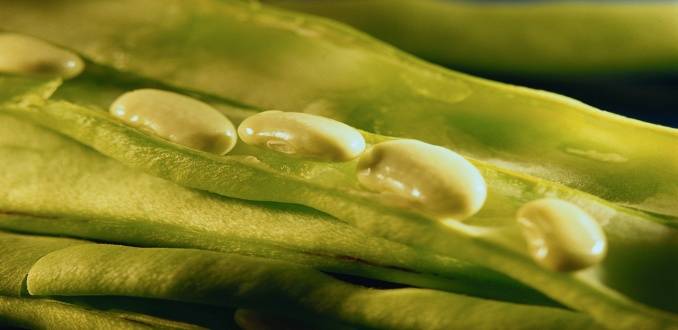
44,313
333,189
97,128
19,253
274,59
40,168
226,279
545,38
575,290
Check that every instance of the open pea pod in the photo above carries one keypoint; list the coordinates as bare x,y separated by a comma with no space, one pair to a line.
269,58
490,239
543,38
108,201
39,168
279,287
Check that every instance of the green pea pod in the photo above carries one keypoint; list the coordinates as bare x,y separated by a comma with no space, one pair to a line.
30,313
225,280
257,174
40,168
269,58
249,319
543,38
26,90
18,255
165,313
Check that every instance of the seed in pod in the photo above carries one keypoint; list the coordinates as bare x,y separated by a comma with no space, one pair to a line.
561,236
22,54
302,135
177,118
433,179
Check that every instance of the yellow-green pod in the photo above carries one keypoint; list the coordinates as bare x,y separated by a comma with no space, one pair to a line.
546,38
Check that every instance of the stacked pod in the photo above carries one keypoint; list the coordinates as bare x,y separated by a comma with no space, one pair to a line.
410,212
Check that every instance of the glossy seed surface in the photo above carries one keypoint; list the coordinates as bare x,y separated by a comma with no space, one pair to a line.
178,118
302,135
433,179
561,236
22,54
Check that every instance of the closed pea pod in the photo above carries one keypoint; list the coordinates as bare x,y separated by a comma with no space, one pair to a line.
303,135
433,179
177,118
23,54
561,236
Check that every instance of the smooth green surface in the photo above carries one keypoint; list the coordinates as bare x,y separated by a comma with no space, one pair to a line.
25,90
45,314
19,253
545,38
17,256
225,280
165,311
221,279
273,59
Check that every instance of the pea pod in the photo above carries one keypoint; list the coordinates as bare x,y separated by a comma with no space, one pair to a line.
227,47
332,189
101,126
40,168
18,255
26,90
543,38
165,313
108,313
32,313
599,312
226,280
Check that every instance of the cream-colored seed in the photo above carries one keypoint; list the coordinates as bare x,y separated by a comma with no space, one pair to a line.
302,135
22,54
561,236
433,179
178,118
